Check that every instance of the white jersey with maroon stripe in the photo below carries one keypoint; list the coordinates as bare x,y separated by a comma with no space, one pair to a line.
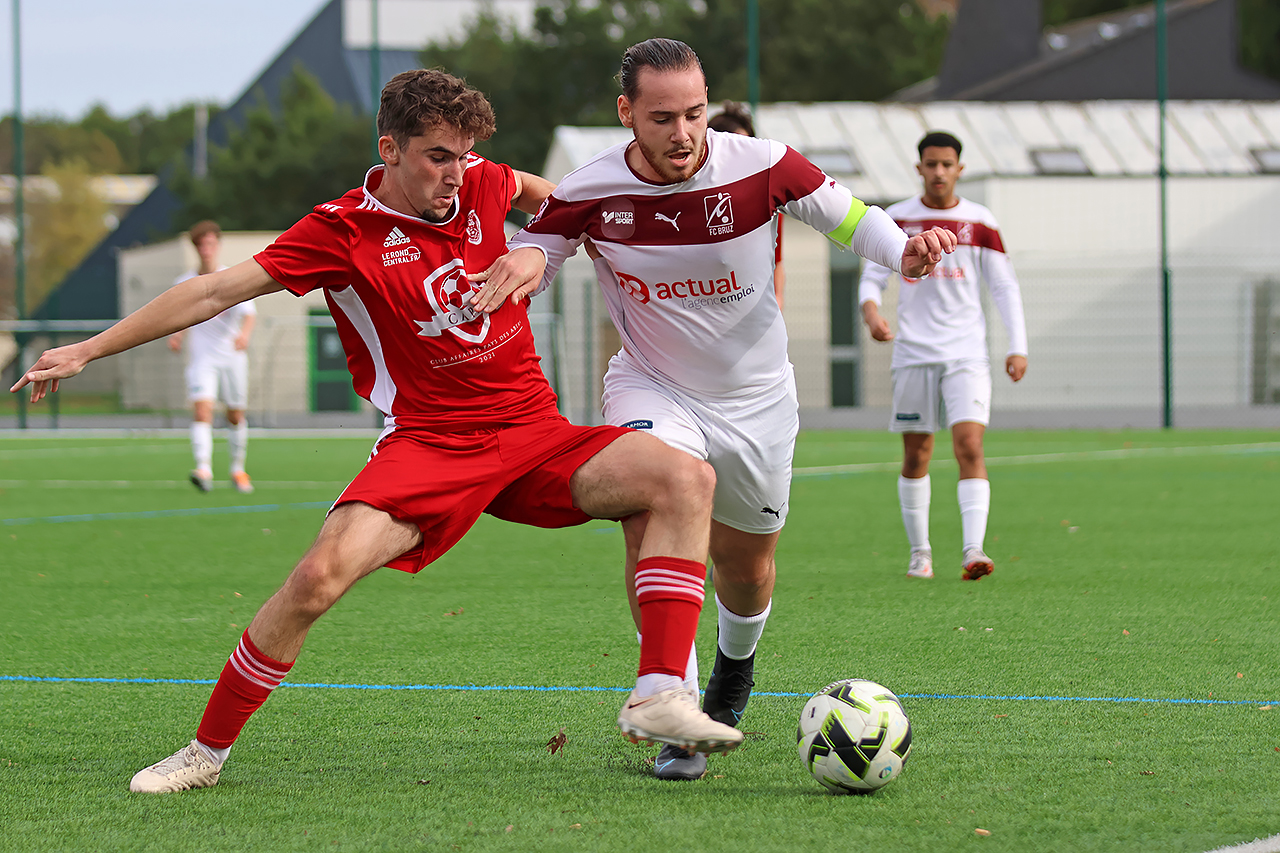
940,316
693,296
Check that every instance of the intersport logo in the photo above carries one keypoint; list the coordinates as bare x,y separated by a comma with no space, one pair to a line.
723,290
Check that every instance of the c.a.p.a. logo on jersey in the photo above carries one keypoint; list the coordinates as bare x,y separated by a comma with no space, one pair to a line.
448,292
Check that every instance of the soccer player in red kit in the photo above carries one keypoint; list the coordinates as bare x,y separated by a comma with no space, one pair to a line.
471,423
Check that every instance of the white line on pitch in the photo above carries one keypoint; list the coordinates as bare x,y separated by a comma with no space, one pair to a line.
160,484
1258,845
1065,456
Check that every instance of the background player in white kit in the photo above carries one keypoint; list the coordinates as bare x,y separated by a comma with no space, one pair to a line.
940,364
684,219
217,367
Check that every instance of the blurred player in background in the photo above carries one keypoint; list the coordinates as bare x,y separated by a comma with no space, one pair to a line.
940,364
472,426
683,218
736,118
217,367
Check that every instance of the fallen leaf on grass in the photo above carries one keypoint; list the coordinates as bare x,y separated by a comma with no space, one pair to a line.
981,831
457,612
424,781
1126,633
510,827
557,742
1148,772
1239,675
1001,716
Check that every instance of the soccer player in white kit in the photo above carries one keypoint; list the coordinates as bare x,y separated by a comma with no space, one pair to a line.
684,221
217,367
940,364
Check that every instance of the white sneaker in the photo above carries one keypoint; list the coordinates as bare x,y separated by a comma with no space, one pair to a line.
673,717
187,768
977,565
921,565
202,479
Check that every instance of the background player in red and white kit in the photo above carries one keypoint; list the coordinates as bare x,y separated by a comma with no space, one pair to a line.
471,426
940,363
684,220
217,368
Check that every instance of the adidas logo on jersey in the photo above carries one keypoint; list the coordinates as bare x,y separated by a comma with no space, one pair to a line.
395,238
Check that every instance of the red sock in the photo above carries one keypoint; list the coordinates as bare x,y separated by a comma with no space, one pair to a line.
246,682
670,592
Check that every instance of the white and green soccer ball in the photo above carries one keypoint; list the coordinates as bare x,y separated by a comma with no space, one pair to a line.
854,736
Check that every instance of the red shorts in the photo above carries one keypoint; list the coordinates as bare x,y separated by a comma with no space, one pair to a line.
442,482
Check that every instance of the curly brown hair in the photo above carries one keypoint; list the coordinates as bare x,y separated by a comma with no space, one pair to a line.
415,101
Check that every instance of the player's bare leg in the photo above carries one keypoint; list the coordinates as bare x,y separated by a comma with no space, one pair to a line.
202,444
356,540
974,495
914,494
638,472
743,571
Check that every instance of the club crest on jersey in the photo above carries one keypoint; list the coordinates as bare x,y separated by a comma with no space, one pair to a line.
617,218
719,210
474,235
448,291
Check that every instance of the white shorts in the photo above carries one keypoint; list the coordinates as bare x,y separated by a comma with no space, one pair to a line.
749,442
926,395
228,381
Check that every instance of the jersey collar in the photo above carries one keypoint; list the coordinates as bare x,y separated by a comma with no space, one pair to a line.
373,179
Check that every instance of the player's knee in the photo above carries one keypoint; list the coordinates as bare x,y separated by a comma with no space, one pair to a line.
692,485
314,586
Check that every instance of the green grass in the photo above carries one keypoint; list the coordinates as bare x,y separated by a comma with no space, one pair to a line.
1149,575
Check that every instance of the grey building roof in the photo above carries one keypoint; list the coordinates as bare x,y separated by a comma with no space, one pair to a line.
998,51
871,147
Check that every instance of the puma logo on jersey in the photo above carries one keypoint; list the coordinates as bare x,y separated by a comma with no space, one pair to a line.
395,238
672,219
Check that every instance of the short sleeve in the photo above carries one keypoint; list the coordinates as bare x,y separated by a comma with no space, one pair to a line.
314,253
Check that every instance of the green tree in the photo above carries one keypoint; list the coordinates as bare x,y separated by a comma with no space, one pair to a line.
563,71
62,227
279,165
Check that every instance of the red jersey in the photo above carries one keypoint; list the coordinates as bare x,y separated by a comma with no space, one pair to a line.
396,286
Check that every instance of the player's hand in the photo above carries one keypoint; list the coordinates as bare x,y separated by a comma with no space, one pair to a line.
241,343
878,326
175,342
1016,366
53,365
925,250
515,275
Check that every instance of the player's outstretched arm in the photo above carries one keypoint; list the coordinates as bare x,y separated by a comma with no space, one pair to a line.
181,306
924,251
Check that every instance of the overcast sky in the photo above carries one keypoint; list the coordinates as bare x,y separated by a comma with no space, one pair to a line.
131,54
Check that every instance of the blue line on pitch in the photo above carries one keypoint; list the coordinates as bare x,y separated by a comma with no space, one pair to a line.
537,689
165,513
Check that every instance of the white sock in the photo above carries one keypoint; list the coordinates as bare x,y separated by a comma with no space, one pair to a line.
739,634
975,504
913,497
691,668
657,682
218,756
202,445
238,444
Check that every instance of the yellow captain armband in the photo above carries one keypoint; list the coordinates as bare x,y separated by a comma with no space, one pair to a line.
843,235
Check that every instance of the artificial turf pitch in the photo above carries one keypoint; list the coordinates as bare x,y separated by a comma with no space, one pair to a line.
1109,688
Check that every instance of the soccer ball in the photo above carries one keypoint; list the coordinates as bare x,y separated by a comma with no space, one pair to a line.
854,736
